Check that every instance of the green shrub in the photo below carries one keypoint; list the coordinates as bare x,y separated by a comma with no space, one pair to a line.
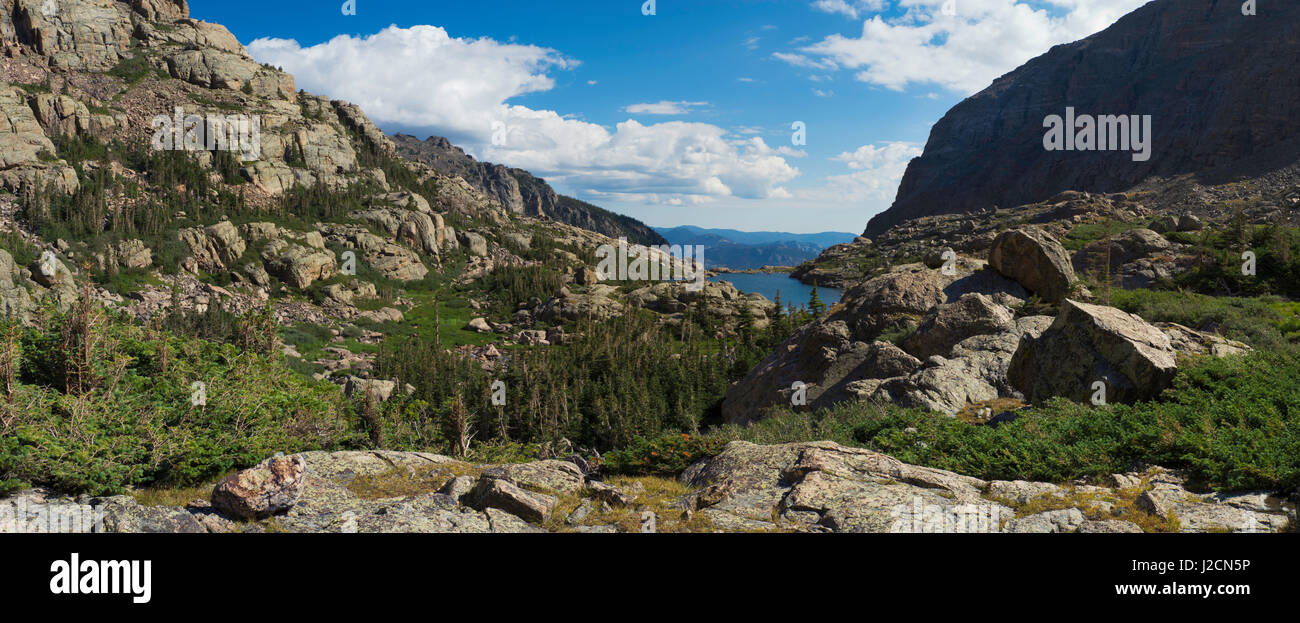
1260,322
1233,423
662,456
133,422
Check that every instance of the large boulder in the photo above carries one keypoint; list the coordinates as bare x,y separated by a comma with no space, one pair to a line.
161,10
597,303
273,486
476,243
370,389
297,265
213,68
948,324
974,372
825,487
212,248
826,360
1091,343
1034,259
389,259
63,115
423,231
503,495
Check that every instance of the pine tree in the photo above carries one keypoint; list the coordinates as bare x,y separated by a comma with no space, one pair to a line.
815,304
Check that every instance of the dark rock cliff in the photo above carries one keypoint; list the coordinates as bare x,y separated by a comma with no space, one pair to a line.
1220,88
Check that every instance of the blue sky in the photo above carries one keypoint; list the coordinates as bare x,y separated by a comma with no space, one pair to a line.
681,117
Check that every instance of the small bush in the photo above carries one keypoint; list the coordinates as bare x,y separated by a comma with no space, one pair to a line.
663,456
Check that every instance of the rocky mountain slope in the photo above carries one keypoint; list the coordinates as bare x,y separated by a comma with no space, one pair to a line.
518,191
1216,84
102,72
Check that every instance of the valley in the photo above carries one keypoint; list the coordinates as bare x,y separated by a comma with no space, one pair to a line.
300,322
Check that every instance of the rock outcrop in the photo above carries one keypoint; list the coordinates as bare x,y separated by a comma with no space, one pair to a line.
27,160
1035,260
519,192
212,247
842,356
1088,344
797,487
271,487
824,487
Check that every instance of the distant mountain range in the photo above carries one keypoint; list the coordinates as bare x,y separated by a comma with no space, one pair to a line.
745,250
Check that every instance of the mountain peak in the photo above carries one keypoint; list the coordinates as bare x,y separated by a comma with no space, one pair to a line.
1214,84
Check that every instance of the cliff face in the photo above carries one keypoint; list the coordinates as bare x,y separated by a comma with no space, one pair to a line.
1220,88
520,192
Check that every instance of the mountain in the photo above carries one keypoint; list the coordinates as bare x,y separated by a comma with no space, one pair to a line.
743,250
520,192
822,240
1219,88
211,279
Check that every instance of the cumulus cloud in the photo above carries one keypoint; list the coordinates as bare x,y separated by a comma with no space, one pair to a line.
962,52
417,76
421,77
663,108
876,172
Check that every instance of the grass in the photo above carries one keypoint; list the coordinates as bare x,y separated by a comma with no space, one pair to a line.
1263,323
135,69
128,280
448,320
396,483
173,496
1117,504
971,413
1085,233
657,494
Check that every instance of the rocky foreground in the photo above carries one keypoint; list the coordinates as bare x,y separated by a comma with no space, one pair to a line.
798,487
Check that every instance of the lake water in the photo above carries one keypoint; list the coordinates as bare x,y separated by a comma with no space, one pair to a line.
792,291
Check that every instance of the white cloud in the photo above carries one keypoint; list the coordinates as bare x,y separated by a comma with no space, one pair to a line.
420,77
821,93
846,9
877,170
663,108
963,52
799,60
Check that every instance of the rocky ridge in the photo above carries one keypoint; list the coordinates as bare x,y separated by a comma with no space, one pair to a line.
520,192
